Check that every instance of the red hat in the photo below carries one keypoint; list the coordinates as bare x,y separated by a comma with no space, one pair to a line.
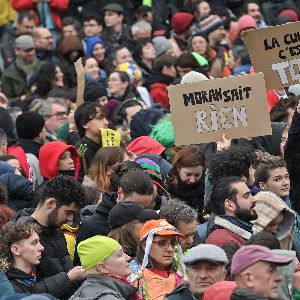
221,290
289,13
182,21
246,22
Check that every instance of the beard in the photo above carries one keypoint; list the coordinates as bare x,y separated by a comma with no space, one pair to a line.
52,219
245,214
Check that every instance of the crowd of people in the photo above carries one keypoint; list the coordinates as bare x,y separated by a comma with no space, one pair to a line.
96,201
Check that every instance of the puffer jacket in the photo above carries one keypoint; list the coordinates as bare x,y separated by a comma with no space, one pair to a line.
104,288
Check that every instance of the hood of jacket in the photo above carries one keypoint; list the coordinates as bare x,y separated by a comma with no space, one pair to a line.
145,144
95,287
49,156
268,206
14,273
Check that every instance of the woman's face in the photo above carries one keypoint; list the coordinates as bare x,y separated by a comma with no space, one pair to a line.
59,77
199,45
148,51
190,175
16,165
162,250
99,52
118,263
91,68
115,85
65,161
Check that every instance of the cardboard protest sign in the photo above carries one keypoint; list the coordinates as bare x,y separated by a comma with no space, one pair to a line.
110,137
80,81
203,111
275,51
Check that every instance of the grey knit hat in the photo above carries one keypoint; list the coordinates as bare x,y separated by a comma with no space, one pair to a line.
161,45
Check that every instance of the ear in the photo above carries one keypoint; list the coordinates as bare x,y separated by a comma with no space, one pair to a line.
120,194
15,250
50,203
229,205
262,186
100,267
85,126
224,274
248,279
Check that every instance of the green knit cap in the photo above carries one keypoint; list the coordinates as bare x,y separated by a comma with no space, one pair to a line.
95,250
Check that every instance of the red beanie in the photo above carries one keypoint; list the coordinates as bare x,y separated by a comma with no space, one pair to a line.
289,13
246,22
182,21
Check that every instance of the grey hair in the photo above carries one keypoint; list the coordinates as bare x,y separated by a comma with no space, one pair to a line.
3,137
176,211
140,25
46,109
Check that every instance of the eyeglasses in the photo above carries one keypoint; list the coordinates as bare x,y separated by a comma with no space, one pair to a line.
165,244
59,115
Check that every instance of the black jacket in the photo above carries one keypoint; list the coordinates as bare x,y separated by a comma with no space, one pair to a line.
183,291
292,158
55,257
245,294
30,146
97,224
55,285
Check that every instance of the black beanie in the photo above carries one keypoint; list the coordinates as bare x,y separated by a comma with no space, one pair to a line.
29,124
93,91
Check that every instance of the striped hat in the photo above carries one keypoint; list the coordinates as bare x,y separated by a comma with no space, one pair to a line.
210,24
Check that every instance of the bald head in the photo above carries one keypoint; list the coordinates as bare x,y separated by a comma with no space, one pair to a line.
43,38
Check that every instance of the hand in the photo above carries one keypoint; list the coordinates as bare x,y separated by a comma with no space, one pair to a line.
224,144
23,98
77,273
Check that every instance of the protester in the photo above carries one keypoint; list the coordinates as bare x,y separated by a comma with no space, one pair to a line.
205,265
257,276
155,273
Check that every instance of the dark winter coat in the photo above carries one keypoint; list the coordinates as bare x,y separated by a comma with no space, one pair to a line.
30,146
97,224
245,294
183,291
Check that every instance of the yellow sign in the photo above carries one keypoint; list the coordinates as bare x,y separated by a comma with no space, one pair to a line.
110,137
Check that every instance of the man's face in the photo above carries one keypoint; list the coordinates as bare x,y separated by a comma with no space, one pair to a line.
264,279
112,19
203,274
29,250
254,12
92,28
216,36
245,203
26,27
57,117
27,56
277,183
69,30
123,55
45,39
130,112
59,216
188,230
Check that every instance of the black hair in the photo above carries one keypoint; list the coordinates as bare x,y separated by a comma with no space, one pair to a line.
98,18
119,170
234,161
138,50
187,60
222,190
85,113
65,190
8,157
241,52
266,239
27,14
279,111
44,78
120,114
137,181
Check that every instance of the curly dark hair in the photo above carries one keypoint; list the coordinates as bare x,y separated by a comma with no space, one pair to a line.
11,233
234,161
65,190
